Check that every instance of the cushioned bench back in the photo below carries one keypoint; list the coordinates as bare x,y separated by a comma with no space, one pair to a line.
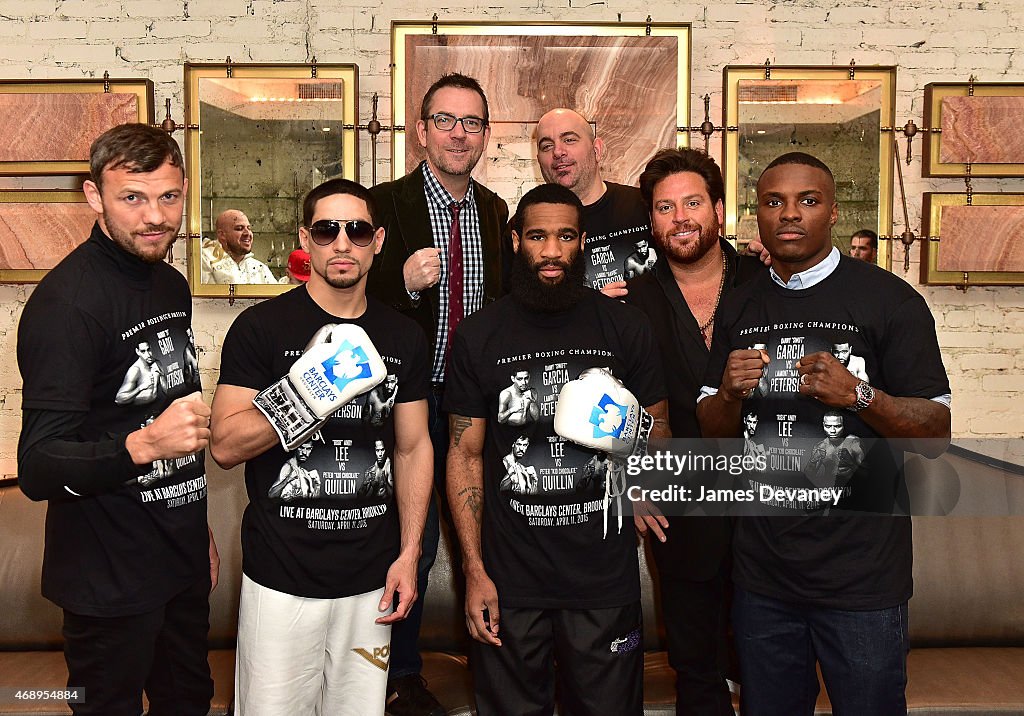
28,622
969,565
968,581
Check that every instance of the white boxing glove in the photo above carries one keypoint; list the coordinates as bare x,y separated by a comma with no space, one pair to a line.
339,364
597,411
330,374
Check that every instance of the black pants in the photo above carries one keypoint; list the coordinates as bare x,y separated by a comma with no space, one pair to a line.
162,652
696,615
599,653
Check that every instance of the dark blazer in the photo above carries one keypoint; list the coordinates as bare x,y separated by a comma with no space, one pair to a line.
402,205
696,546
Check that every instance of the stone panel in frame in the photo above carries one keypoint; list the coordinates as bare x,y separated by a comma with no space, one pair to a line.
979,244
981,124
30,130
38,229
602,71
982,130
49,125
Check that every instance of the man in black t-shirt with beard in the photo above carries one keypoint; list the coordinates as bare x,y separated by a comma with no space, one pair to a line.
615,218
812,588
535,558
327,566
113,434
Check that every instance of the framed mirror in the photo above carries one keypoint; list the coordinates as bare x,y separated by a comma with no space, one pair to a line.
258,138
601,70
834,113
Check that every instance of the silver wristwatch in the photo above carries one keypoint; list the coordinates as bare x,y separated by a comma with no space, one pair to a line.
865,394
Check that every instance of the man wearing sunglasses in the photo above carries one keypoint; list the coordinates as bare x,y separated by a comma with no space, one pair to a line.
327,569
443,260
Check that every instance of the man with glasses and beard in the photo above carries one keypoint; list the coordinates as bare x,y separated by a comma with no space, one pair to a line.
543,585
320,587
443,260
615,219
697,268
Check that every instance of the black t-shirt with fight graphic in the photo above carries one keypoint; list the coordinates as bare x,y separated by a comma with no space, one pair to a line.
542,532
322,521
614,225
107,336
881,329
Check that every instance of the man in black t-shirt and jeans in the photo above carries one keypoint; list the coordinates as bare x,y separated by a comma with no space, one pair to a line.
128,555
808,587
326,570
534,555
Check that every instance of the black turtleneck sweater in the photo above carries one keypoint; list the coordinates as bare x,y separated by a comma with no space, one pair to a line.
104,346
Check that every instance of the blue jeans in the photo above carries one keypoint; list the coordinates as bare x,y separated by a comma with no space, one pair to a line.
405,635
863,657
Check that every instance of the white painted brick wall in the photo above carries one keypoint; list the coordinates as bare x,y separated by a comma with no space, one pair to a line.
981,331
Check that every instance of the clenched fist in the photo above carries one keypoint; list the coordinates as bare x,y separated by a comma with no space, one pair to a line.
182,429
422,269
743,372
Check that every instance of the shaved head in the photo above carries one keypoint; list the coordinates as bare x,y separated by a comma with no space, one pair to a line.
228,218
234,233
569,151
564,118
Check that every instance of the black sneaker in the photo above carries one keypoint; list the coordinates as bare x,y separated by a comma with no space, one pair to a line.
408,696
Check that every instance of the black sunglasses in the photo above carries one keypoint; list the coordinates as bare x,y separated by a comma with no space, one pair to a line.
325,231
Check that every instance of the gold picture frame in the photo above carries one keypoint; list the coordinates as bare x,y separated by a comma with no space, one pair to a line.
30,136
883,80
262,95
931,150
519,109
52,233
931,216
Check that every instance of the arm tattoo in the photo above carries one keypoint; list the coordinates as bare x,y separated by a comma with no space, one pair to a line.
473,499
459,424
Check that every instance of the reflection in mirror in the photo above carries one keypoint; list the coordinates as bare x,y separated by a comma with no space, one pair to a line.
837,121
264,143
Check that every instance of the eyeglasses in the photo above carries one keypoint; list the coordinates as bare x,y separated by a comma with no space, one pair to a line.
325,231
447,122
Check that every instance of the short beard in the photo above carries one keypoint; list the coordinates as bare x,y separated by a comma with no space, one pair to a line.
124,240
338,281
707,240
535,295
341,282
